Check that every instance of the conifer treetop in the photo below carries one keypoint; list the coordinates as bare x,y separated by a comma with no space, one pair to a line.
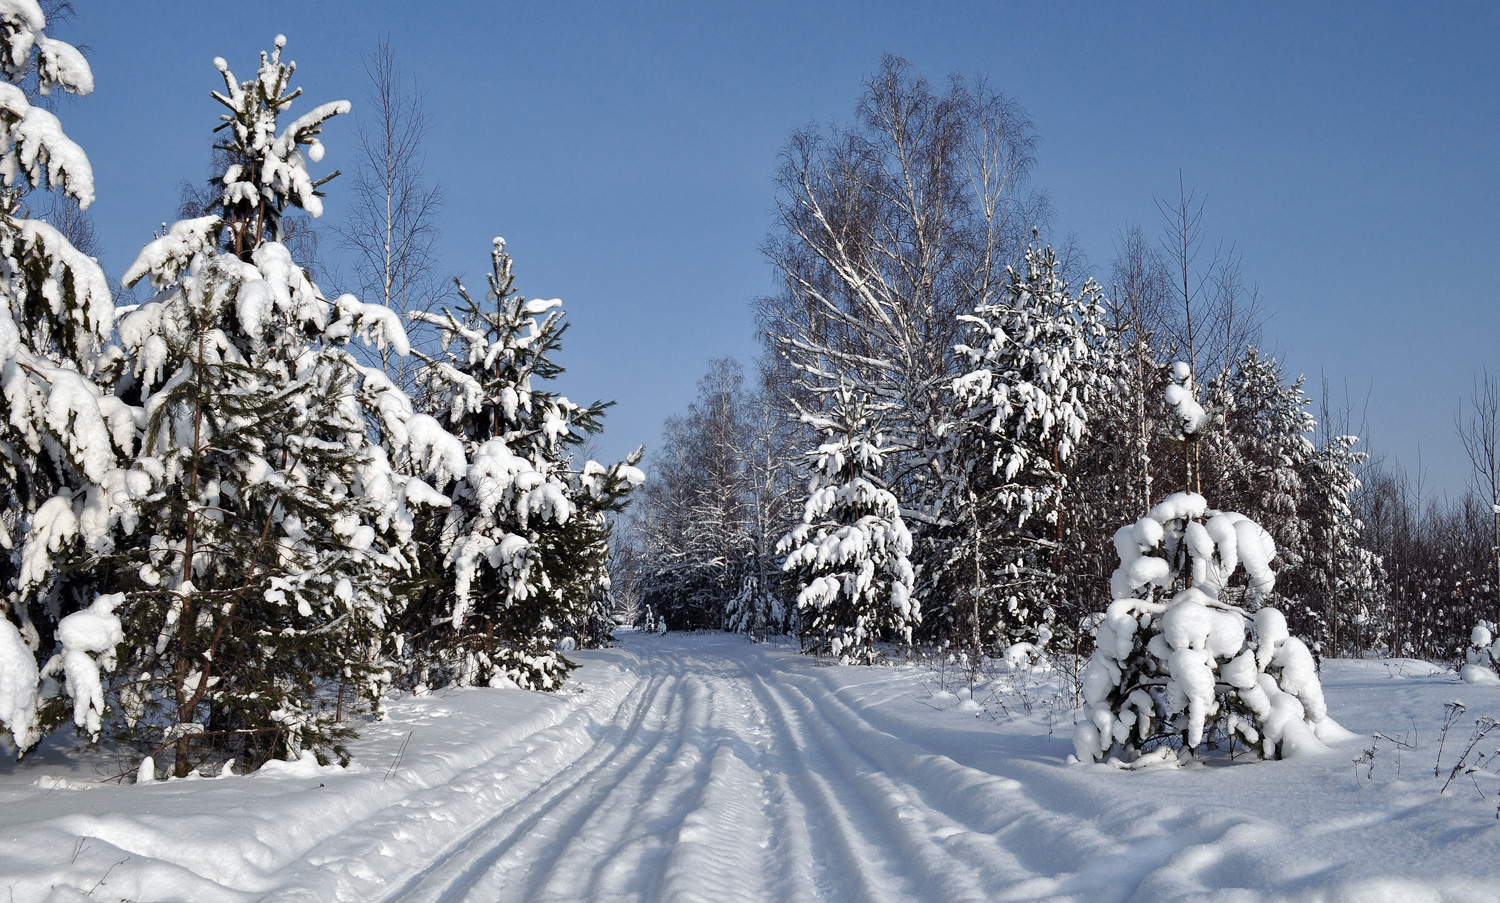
268,172
489,387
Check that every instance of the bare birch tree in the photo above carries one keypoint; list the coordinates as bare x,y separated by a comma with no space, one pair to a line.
392,221
1217,316
1140,307
888,230
1480,434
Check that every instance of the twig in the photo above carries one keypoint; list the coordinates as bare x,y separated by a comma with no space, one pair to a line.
400,754
106,876
1482,728
1453,709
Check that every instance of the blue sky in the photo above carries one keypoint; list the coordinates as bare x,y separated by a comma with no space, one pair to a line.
1350,152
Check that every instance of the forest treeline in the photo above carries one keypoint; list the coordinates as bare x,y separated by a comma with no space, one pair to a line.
989,415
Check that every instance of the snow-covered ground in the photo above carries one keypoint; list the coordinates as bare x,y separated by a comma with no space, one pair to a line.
707,768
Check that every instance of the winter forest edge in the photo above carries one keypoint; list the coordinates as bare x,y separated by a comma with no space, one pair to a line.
240,510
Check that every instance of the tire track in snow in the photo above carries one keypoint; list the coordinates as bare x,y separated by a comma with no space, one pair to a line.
342,868
874,832
360,838
728,778
1039,838
681,825
732,783
720,850
675,812
1011,833
466,863
609,838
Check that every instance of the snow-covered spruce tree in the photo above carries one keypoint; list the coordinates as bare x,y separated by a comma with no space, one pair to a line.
1036,362
267,528
1255,460
525,542
1263,463
59,439
1340,578
849,554
1177,664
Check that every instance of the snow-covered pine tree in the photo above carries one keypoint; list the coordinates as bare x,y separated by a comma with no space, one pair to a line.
1037,363
59,440
849,554
525,542
267,527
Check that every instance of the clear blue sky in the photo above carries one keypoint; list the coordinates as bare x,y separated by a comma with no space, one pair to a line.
1350,151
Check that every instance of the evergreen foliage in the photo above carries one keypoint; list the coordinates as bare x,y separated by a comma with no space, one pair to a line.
849,554
59,440
1259,456
1340,578
525,540
262,532
1038,362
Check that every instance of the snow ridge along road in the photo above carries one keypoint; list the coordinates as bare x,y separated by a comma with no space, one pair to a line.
705,768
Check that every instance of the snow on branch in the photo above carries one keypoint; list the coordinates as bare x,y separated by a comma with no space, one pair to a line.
33,146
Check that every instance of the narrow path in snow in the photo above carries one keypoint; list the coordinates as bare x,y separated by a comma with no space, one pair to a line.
724,780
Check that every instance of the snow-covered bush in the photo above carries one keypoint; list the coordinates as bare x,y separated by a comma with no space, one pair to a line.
1482,658
1176,659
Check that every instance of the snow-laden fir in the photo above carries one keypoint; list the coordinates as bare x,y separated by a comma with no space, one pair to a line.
848,556
525,537
57,435
224,519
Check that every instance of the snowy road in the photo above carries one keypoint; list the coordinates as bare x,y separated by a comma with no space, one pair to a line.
704,768
719,779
